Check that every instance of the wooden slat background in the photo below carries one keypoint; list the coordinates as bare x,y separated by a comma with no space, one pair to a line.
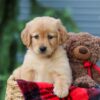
86,13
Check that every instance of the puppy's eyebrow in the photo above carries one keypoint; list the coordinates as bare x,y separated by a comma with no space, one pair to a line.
34,34
51,34
54,36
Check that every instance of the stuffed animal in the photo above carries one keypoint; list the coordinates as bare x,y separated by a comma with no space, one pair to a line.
83,50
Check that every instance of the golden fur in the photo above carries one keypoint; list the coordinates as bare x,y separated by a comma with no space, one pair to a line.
52,65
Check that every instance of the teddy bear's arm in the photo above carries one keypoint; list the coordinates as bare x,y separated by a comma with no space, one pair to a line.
85,81
96,75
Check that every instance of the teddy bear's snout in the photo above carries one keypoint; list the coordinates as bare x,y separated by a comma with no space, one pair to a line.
81,52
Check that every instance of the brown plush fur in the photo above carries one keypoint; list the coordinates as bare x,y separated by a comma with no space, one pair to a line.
92,45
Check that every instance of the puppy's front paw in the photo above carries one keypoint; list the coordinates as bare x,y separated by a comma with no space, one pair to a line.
61,91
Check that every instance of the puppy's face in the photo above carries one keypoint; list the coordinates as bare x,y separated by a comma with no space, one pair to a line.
44,42
43,35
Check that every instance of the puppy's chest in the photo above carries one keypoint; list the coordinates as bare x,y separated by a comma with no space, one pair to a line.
43,71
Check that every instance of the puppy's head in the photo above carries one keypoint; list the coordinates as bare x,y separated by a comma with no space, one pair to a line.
43,35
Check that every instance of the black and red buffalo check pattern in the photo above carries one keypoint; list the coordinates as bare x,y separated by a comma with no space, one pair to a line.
44,91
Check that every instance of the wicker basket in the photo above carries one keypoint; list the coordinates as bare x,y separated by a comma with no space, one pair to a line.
13,91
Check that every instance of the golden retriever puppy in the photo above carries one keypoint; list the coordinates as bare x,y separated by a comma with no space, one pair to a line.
46,60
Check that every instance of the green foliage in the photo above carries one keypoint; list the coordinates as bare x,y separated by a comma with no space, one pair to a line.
11,47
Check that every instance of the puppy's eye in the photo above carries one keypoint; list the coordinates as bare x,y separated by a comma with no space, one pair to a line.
36,36
50,37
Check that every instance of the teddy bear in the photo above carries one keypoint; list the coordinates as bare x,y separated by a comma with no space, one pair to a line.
83,50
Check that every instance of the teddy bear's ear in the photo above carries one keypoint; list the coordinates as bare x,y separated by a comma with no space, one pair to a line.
97,39
85,34
72,38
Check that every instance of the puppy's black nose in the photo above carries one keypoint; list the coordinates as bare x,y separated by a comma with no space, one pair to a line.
43,49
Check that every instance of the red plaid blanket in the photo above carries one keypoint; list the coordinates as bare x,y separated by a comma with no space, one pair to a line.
44,91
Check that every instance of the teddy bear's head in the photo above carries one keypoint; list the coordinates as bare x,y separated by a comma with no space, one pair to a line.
83,46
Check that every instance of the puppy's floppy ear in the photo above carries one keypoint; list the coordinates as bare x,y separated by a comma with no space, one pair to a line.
62,33
25,36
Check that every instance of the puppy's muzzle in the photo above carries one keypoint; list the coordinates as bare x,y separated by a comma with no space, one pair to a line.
43,49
